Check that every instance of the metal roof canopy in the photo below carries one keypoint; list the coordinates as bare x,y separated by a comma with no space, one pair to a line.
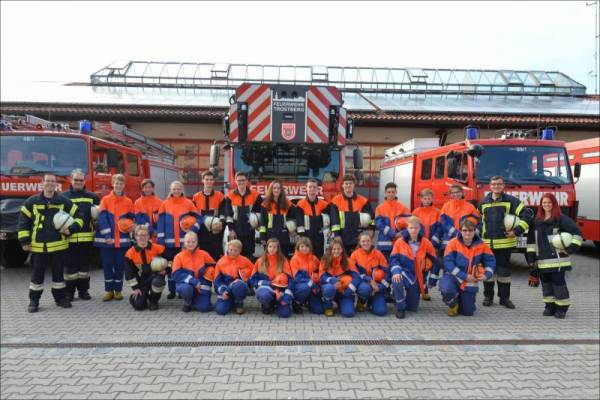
349,79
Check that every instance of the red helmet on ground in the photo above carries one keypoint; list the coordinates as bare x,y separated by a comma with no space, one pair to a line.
378,275
400,222
125,225
344,280
280,281
479,271
209,273
187,222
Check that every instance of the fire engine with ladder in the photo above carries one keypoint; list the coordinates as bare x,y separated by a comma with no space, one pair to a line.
531,162
32,147
287,132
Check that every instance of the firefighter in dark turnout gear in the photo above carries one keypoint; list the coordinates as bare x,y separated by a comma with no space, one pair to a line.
547,260
48,246
493,208
345,211
310,212
210,202
240,203
275,212
81,244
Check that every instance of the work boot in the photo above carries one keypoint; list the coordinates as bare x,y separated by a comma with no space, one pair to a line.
118,295
507,303
34,306
170,296
426,296
240,310
153,306
329,312
186,308
453,311
297,308
488,301
400,314
360,306
560,314
64,303
267,310
549,310
84,295
108,296
488,290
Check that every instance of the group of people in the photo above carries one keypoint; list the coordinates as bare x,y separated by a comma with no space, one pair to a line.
334,264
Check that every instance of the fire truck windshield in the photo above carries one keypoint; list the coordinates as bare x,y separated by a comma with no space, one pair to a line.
35,154
287,162
524,165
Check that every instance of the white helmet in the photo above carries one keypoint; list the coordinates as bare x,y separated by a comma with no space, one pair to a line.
562,240
365,220
291,225
213,224
94,212
511,221
326,220
254,219
159,264
62,220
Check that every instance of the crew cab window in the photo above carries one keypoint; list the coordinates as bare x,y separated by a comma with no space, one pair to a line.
440,162
132,165
108,160
426,169
460,170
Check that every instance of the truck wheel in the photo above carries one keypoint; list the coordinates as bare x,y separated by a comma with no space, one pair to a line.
14,256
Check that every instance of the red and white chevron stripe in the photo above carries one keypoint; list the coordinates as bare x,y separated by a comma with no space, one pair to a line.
318,101
258,98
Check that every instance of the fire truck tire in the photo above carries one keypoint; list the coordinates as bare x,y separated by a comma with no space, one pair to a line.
12,254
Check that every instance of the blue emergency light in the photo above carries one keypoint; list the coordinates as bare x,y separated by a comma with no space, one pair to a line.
85,126
547,133
471,132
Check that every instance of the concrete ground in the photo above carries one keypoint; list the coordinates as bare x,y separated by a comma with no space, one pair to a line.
107,350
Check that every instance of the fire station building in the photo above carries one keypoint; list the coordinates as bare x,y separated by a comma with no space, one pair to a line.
183,104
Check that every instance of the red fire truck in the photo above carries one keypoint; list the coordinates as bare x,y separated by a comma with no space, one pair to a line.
31,147
530,167
587,154
289,132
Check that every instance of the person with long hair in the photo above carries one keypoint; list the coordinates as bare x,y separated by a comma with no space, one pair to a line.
147,207
374,271
548,255
177,215
339,279
305,272
275,210
272,280
193,273
412,255
231,275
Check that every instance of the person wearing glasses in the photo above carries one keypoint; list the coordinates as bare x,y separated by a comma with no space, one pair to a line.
81,244
453,212
240,202
467,261
494,206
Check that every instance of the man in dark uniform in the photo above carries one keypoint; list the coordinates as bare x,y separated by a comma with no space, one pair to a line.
211,203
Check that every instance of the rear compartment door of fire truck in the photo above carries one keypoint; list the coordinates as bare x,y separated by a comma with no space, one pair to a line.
402,176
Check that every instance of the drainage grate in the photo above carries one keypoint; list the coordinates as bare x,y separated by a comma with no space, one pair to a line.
289,343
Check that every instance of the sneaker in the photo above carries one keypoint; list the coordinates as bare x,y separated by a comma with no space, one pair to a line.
360,307
549,310
426,296
153,306
297,308
266,310
64,303
85,295
560,314
507,303
453,311
108,296
186,308
240,310
488,301
33,306
400,314
171,296
118,296
328,312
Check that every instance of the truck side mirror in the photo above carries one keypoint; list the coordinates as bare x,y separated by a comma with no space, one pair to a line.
452,164
350,129
242,122
334,115
577,170
226,126
475,150
214,155
357,156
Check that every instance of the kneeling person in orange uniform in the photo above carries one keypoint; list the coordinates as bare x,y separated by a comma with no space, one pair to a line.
231,274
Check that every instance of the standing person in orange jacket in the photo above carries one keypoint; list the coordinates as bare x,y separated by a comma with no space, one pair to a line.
240,204
373,268
411,256
454,211
147,285
339,280
346,209
146,207
272,281
305,272
211,205
115,224
194,272
275,212
430,221
390,219
176,216
231,275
